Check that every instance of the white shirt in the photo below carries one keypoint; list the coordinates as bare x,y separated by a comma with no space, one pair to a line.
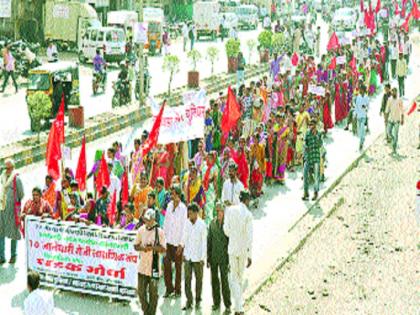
267,21
51,50
39,302
174,223
406,48
231,191
194,241
238,227
115,185
393,53
185,30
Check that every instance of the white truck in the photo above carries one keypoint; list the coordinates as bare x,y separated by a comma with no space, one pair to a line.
123,19
67,21
206,18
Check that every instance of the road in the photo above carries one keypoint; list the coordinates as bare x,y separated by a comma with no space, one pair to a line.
278,211
13,106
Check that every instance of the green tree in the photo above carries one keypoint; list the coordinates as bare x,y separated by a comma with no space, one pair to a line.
39,105
195,56
212,55
232,47
251,43
279,43
171,65
265,39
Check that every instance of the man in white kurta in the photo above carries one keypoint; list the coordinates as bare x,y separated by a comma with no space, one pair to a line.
238,228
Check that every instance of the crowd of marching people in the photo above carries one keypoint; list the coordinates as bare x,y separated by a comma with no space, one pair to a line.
198,193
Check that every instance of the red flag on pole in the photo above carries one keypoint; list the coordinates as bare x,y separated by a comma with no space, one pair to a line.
53,154
102,179
378,6
352,64
333,64
403,9
406,23
412,108
60,120
333,43
81,167
111,211
295,59
415,10
232,112
152,139
362,7
124,187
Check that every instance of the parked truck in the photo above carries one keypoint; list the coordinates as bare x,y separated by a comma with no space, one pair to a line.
67,21
123,19
206,18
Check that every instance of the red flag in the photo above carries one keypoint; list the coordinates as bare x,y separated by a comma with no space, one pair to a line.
415,11
378,6
53,154
406,23
81,167
333,43
232,112
60,120
403,9
362,7
152,139
124,187
333,64
397,10
103,178
111,211
352,64
412,108
295,59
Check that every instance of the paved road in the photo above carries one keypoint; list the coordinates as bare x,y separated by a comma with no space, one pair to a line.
14,119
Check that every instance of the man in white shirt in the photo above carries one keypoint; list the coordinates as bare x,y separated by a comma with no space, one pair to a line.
115,183
393,55
232,187
194,245
38,302
238,228
175,219
267,22
185,31
52,53
395,112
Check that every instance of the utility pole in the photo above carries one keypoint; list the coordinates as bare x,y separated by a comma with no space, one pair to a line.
141,61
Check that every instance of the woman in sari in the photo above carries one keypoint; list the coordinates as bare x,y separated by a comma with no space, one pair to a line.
37,206
257,162
194,190
161,164
302,122
127,220
281,133
211,182
326,114
269,151
139,194
200,156
241,159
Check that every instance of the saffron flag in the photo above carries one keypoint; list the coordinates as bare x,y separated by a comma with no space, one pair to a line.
231,113
153,137
81,167
333,43
295,59
378,6
111,211
53,154
412,108
124,193
102,179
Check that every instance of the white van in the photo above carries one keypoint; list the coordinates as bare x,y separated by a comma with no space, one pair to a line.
109,40
248,16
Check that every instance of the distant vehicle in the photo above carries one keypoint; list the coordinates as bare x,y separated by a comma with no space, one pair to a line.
109,40
263,12
344,19
155,19
123,19
206,18
248,16
229,5
231,19
67,21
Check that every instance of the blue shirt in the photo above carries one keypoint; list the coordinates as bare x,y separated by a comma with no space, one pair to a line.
98,62
362,106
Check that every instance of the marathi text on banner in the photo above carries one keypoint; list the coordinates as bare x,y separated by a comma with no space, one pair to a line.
82,258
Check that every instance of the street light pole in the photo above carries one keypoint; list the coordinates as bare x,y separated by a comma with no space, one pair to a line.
141,62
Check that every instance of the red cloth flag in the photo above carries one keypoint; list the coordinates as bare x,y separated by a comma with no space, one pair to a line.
397,10
153,137
81,167
124,187
378,6
403,9
111,211
60,120
102,179
362,7
53,154
415,12
295,59
333,43
231,113
406,23
352,64
333,64
412,108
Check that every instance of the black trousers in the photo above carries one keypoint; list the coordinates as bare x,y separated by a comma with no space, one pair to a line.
219,278
7,75
401,86
148,294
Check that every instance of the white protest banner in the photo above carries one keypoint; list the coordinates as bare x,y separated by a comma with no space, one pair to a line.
81,258
185,122
140,33
341,60
312,88
319,90
5,8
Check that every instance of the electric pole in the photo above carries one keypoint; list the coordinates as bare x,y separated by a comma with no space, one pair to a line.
141,61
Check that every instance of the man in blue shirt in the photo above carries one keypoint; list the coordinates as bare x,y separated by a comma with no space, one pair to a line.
361,111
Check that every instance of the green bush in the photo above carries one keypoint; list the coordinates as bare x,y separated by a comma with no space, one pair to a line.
232,47
39,106
278,42
195,56
265,39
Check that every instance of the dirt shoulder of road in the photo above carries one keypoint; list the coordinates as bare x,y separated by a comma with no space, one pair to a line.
364,257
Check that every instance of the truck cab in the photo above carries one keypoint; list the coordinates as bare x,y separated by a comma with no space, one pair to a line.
206,18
